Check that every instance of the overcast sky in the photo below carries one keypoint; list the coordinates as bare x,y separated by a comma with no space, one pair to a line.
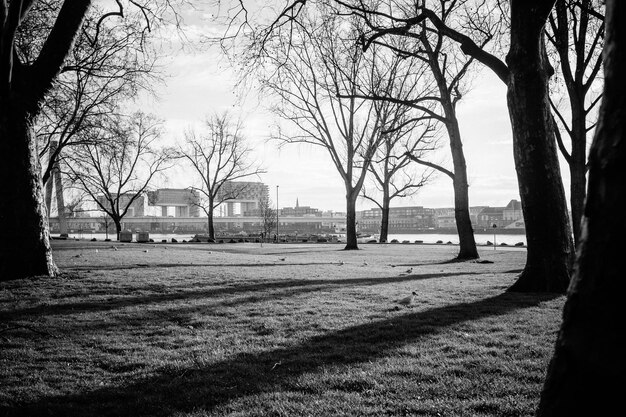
200,83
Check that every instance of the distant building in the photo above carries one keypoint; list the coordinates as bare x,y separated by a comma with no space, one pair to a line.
246,194
183,199
490,216
411,218
300,211
513,211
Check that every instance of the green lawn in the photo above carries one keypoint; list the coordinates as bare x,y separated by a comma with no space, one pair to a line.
233,329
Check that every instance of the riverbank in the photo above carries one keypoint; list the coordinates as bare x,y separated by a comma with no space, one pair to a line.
283,329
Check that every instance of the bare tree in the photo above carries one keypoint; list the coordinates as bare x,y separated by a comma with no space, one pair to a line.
268,216
220,155
576,31
449,69
116,171
406,132
25,79
94,80
586,374
315,72
526,74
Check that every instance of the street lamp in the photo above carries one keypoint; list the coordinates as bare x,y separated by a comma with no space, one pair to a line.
494,235
277,234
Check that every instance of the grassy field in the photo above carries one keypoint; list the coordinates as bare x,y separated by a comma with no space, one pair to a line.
278,330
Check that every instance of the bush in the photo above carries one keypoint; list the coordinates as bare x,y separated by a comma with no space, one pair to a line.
419,241
439,241
174,240
394,241
322,240
519,244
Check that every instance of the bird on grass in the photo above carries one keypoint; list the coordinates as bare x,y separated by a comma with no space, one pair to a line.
408,271
408,300
281,259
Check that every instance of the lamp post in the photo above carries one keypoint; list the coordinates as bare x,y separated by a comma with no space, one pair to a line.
277,234
494,235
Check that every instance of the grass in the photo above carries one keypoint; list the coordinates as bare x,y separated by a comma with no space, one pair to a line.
195,330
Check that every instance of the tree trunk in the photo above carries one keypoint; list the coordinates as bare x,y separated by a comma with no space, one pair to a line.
549,241
118,227
24,242
351,242
467,243
384,223
210,220
586,374
58,185
578,168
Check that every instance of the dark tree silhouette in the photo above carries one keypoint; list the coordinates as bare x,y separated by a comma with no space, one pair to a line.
586,374
25,79
526,74
575,31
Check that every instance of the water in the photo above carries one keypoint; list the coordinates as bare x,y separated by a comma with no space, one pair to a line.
481,239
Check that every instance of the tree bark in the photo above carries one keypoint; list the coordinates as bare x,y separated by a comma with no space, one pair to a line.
24,243
550,246
384,222
351,241
467,243
578,168
118,227
210,220
58,185
586,374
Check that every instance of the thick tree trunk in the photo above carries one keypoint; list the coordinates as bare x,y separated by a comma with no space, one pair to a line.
467,243
586,374
549,241
384,222
24,237
118,227
578,169
210,221
351,241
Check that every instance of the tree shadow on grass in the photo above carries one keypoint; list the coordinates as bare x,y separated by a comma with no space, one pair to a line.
295,286
207,386
185,265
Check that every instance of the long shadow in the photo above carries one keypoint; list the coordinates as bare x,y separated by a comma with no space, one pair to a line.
206,387
172,265
299,285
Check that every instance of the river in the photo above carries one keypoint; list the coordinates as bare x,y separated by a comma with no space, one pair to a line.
481,238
